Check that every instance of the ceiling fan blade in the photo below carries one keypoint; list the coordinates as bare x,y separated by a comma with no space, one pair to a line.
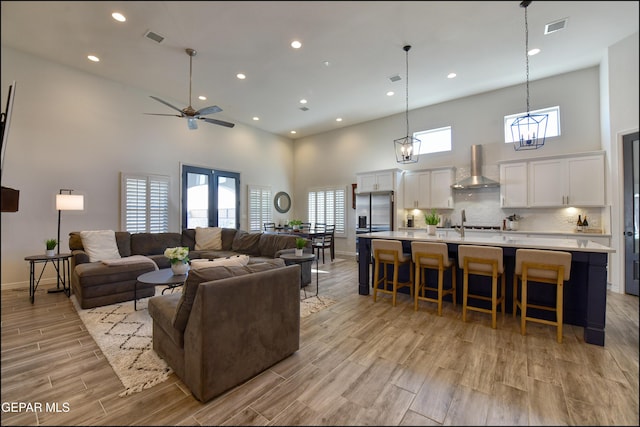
168,105
160,114
208,110
192,123
217,122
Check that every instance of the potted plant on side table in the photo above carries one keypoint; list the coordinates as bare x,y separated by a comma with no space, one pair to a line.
432,219
51,245
301,242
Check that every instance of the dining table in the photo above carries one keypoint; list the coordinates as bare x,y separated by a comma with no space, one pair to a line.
585,293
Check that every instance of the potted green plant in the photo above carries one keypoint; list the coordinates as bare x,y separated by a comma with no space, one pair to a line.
295,224
432,219
51,245
301,242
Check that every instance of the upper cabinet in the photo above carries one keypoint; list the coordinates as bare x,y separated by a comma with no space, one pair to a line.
428,189
513,185
385,180
570,181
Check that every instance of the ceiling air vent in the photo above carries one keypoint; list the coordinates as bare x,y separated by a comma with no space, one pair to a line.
555,26
395,78
304,108
154,36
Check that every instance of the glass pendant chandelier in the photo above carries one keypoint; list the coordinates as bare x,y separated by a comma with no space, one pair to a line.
528,131
407,148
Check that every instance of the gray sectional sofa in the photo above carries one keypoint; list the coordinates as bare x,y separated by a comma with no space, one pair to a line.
96,284
228,325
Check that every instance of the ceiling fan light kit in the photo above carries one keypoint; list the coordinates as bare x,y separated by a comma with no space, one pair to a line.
188,112
529,131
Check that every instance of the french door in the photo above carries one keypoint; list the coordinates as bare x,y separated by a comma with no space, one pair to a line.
631,151
210,198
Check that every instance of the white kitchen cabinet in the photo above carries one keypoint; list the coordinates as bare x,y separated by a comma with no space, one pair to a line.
441,192
428,189
376,181
513,185
570,181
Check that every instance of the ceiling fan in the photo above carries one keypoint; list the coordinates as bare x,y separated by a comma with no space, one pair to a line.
188,112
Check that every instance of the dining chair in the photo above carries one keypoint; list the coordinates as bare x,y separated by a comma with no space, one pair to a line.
269,226
324,241
540,266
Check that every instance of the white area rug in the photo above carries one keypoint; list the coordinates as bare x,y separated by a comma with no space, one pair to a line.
125,338
314,304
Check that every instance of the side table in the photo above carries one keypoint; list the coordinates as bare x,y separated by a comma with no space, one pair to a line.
63,273
305,261
164,276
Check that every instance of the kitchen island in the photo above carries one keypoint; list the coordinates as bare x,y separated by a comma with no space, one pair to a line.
585,293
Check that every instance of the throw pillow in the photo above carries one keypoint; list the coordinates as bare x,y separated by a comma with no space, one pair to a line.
238,260
100,244
208,238
246,243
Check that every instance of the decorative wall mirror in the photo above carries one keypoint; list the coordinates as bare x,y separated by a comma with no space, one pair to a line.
282,202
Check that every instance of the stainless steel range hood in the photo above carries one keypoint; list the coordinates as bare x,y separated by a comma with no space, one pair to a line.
476,180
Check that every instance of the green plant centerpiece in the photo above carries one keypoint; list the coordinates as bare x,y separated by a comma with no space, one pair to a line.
432,219
295,224
51,244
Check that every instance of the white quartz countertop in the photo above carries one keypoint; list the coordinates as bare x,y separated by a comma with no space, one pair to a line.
578,234
580,244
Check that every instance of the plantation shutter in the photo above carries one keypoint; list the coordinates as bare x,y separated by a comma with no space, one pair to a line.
145,203
259,206
328,206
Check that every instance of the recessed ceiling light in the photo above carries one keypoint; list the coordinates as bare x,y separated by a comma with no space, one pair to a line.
390,93
118,17
293,132
303,101
256,118
241,76
296,44
326,63
339,119
202,98
534,51
451,75
93,58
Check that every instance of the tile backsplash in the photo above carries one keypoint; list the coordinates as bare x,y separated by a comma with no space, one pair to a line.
482,208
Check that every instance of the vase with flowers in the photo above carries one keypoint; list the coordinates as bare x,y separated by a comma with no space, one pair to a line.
179,259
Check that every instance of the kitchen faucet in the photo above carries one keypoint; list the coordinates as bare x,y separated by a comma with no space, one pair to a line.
460,229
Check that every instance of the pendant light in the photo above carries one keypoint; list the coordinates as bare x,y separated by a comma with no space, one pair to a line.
407,148
528,131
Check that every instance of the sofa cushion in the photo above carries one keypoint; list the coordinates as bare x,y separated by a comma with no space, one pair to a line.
161,311
202,275
189,238
123,240
154,243
236,260
271,243
208,238
100,244
246,243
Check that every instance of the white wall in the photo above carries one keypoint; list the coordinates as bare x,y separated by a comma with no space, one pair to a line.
74,130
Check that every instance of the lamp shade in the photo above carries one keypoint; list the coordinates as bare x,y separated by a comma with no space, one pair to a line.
69,202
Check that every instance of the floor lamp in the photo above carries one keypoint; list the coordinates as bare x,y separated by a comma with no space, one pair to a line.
65,201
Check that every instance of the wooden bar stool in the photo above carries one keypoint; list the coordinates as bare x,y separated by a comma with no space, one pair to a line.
540,266
433,256
483,261
389,253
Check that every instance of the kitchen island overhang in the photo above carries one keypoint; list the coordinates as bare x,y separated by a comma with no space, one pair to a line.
585,293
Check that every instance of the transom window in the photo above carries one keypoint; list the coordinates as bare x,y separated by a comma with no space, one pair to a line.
553,122
434,140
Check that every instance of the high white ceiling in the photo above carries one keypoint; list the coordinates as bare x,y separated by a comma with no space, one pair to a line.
481,41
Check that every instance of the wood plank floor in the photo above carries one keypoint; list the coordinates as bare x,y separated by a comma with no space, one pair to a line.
360,363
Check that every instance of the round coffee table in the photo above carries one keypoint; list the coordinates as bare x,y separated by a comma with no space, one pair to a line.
162,277
305,261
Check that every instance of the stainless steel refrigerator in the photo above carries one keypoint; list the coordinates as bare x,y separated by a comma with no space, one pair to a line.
374,212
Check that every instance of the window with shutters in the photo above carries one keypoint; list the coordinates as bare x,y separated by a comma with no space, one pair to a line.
259,206
328,206
144,203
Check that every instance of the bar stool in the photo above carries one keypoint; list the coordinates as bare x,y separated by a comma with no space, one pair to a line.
389,253
483,261
433,256
540,266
